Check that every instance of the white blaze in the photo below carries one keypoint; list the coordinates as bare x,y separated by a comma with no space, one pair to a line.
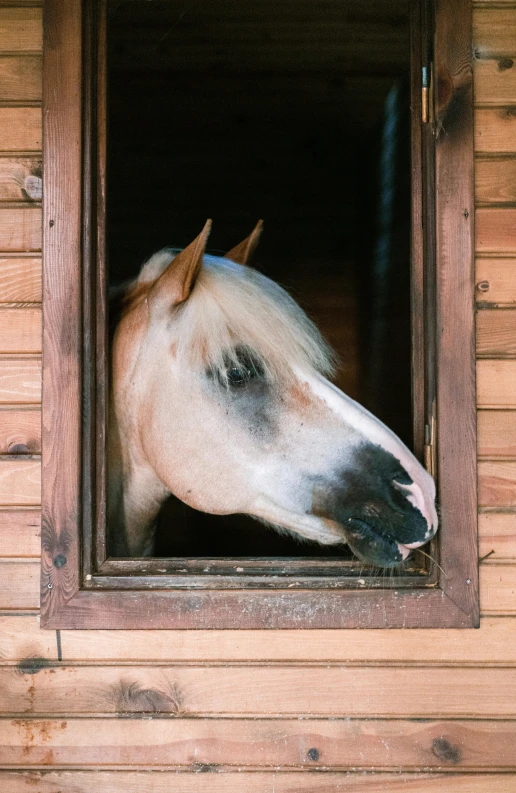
421,493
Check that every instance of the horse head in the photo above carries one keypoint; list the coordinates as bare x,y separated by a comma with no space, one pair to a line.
220,396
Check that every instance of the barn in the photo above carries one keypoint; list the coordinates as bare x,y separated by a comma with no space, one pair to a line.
92,701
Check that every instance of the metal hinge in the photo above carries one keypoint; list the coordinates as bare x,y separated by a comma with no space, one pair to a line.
426,93
430,449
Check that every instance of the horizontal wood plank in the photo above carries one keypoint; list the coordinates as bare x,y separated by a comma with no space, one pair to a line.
194,744
20,229
20,329
20,78
496,483
495,130
20,482
498,588
495,230
496,435
19,584
494,643
496,332
494,32
20,178
20,380
20,129
20,533
495,181
20,29
20,279
496,383
495,281
495,81
191,691
20,431
251,782
497,534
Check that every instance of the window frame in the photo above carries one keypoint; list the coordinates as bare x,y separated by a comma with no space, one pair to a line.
80,588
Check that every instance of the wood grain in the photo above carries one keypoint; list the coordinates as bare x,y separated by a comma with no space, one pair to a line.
496,384
252,691
15,174
495,181
495,230
498,588
49,781
19,584
20,279
494,643
20,533
63,213
497,532
20,329
497,483
495,281
496,433
20,380
20,78
20,482
20,29
495,82
494,32
20,431
20,229
496,332
20,129
495,130
453,320
191,744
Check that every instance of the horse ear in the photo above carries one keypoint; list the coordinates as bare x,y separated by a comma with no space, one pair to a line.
243,253
178,279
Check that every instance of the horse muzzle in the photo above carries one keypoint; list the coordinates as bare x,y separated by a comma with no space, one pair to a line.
382,512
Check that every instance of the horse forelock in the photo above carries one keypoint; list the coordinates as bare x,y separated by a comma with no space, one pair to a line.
232,308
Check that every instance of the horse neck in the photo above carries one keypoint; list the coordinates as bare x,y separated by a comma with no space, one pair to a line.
135,494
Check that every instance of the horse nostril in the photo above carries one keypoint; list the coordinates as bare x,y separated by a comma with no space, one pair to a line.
402,487
413,493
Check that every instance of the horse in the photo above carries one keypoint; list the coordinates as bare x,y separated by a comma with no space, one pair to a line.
220,395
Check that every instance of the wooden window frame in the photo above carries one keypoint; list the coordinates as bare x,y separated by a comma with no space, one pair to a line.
80,588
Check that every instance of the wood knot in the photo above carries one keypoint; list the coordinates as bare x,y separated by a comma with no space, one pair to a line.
504,64
445,750
18,448
59,560
483,286
31,666
313,754
33,188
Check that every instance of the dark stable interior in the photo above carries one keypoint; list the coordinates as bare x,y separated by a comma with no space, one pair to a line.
297,113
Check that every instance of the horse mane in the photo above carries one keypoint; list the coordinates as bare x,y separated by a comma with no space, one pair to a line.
231,308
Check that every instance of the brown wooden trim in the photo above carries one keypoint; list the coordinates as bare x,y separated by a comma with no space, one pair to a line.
417,239
255,610
455,280
80,588
62,329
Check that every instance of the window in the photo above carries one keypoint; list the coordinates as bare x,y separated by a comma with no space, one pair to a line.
83,584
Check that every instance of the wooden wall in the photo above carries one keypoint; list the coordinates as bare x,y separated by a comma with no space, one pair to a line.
250,712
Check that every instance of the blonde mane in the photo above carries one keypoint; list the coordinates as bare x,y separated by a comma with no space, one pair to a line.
231,308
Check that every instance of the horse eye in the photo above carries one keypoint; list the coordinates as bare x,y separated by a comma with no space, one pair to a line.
238,376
